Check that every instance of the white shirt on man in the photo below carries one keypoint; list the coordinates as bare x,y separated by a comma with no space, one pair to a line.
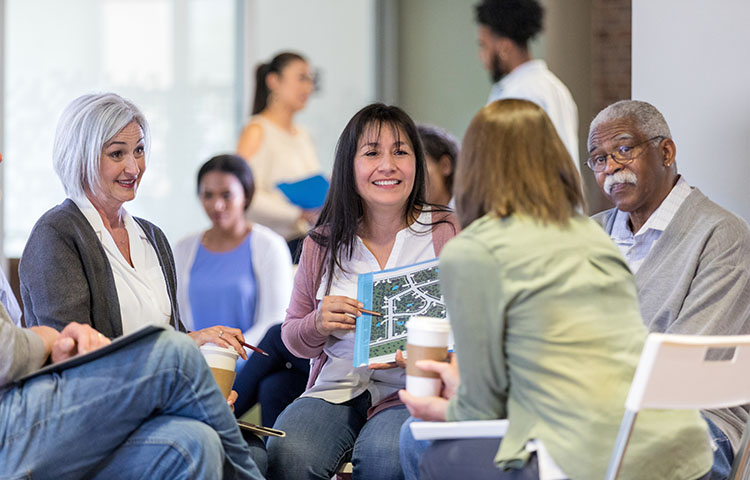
339,381
534,82
141,289
636,246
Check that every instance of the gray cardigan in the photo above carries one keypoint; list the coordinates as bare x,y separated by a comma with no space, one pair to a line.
66,276
696,281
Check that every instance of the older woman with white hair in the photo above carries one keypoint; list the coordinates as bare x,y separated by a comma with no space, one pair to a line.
88,260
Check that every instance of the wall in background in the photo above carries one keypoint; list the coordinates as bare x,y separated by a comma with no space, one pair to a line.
441,80
174,58
338,38
567,45
689,61
610,76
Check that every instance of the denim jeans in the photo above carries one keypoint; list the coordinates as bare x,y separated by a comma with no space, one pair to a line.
148,410
274,381
723,455
411,450
321,435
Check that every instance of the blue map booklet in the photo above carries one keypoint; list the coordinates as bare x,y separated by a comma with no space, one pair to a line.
309,193
397,294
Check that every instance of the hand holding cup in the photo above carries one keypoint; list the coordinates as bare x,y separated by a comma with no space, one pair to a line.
426,339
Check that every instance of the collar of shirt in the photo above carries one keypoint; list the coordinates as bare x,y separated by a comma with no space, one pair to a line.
96,222
363,260
636,247
659,220
520,71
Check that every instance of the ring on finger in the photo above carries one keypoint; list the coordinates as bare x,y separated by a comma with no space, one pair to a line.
221,332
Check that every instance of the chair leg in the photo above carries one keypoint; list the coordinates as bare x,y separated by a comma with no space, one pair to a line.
740,467
621,443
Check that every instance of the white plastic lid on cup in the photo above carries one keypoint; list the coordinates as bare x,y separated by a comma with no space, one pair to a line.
428,331
220,357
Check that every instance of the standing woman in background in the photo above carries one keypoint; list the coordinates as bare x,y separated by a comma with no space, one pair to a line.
276,148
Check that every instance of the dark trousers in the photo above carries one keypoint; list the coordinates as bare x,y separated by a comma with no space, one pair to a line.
274,381
470,458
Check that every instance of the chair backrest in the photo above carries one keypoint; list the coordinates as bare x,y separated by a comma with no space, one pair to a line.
691,371
688,372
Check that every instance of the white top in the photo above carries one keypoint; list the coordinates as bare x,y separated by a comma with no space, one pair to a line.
141,289
534,82
272,265
339,381
282,157
635,248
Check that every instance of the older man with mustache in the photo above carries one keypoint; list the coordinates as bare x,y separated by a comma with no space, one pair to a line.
690,257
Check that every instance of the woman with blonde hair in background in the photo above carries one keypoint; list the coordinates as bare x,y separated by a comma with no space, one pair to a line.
277,149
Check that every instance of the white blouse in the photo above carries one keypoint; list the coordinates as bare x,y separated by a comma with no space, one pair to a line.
141,289
339,381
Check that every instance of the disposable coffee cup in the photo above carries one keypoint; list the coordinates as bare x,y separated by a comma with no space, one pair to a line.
222,362
426,339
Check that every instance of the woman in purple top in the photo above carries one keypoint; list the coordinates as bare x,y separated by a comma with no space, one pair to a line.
239,274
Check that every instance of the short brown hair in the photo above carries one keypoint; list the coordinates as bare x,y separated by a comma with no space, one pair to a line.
512,161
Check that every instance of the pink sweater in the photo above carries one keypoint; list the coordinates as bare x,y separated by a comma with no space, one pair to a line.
298,330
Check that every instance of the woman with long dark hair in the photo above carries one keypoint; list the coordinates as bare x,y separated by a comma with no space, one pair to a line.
277,149
375,218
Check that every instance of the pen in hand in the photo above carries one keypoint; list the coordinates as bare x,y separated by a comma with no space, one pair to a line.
254,349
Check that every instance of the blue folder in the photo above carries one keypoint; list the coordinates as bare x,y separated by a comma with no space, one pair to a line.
309,193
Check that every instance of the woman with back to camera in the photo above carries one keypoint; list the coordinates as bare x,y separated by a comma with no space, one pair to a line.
277,149
88,260
375,218
440,153
241,274
546,322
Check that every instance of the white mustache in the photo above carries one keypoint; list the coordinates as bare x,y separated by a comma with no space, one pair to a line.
622,176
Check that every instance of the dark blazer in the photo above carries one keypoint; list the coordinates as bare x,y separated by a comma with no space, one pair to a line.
66,276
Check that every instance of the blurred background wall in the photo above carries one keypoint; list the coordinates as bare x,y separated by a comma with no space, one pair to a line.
189,64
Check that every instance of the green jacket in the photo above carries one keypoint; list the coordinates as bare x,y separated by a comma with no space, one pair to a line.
548,334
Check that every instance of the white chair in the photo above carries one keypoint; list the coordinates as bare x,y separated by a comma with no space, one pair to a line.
680,372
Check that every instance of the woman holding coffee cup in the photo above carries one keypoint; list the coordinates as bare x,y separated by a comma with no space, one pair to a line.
375,217
546,322
88,260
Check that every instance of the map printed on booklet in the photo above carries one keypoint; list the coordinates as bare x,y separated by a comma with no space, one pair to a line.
397,294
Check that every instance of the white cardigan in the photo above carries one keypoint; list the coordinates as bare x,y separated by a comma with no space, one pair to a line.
272,265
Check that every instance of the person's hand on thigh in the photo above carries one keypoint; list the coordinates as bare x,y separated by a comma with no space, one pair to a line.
76,339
